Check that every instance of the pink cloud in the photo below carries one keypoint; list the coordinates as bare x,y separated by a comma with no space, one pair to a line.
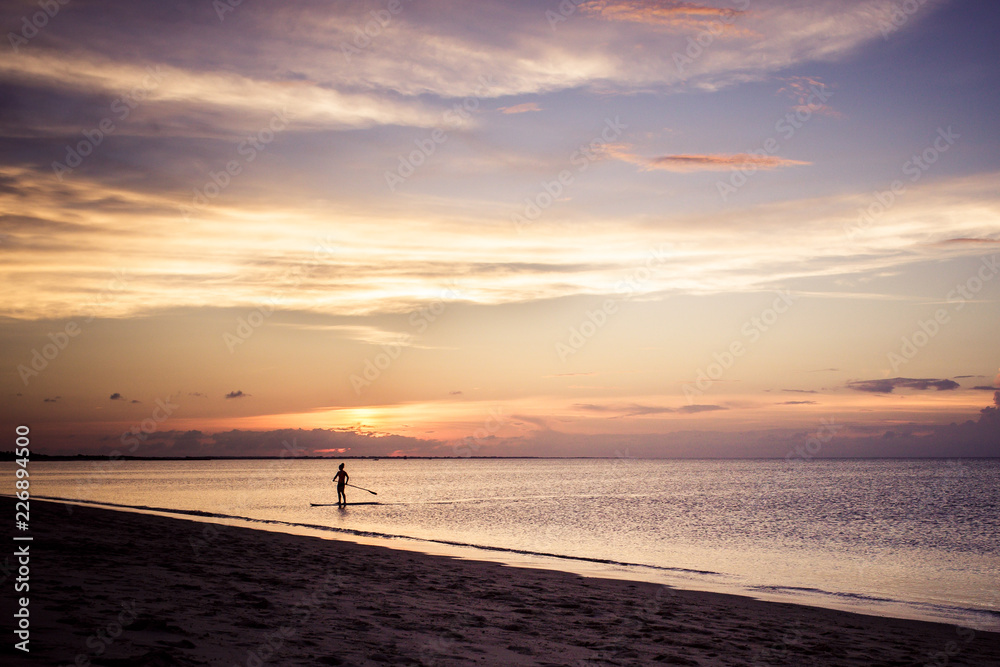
520,108
700,162
809,94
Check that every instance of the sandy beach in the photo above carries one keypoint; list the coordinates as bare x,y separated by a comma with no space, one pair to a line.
118,588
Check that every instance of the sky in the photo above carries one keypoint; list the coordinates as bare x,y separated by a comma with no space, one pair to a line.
613,228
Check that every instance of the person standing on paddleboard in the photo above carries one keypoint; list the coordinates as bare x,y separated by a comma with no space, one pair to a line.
341,480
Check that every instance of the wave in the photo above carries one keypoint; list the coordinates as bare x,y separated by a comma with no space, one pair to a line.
390,536
988,617
937,609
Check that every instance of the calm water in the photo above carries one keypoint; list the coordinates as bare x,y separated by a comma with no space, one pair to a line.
900,537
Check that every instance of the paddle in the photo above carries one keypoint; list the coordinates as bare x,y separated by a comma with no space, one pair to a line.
363,489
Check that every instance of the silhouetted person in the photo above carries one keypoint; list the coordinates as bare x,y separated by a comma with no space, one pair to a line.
341,480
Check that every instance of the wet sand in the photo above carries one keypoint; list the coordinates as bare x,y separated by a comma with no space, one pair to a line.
120,588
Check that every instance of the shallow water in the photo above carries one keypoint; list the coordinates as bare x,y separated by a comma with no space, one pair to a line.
914,538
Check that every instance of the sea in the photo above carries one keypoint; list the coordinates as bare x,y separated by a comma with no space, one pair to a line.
901,537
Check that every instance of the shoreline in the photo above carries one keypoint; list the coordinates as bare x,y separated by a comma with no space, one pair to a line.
207,593
592,567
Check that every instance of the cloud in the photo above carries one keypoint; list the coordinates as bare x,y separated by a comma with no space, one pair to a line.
970,438
808,92
692,409
692,163
520,108
800,391
361,333
638,410
293,51
52,400
454,393
887,386
497,267
282,442
632,408
798,403
236,394
968,241
116,397
135,401
216,103
663,13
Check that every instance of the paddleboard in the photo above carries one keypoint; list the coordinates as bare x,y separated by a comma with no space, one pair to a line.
336,504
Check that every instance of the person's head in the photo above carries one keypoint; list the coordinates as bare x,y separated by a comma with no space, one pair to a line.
341,466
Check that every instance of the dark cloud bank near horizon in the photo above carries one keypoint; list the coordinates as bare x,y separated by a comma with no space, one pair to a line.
972,438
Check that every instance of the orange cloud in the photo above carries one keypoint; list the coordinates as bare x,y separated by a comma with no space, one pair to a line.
521,108
706,162
659,12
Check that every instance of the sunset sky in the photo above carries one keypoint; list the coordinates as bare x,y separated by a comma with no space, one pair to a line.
601,228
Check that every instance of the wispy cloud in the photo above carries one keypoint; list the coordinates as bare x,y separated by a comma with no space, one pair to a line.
521,108
705,162
202,99
968,241
362,333
692,409
888,385
638,410
409,267
808,93
291,54
662,13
